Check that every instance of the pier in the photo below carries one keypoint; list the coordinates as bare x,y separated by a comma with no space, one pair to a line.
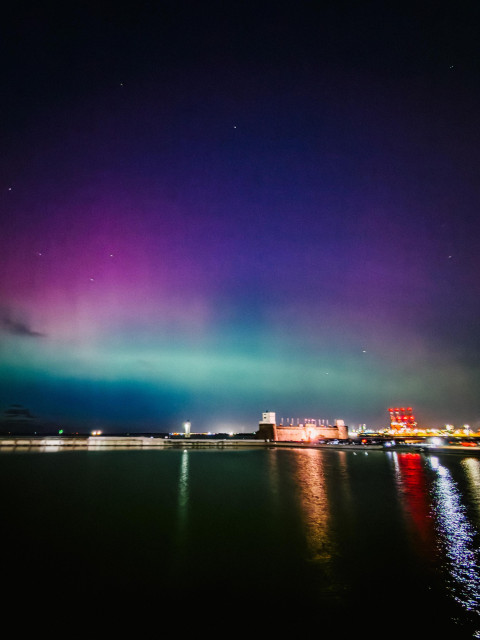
118,442
154,442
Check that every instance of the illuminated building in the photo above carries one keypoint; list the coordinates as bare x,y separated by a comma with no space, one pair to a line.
305,431
402,418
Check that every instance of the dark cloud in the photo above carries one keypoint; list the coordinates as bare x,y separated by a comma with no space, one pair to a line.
18,328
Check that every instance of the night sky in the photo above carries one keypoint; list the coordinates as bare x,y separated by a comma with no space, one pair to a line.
211,209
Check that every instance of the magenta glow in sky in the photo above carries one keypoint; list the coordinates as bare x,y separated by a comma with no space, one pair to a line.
206,218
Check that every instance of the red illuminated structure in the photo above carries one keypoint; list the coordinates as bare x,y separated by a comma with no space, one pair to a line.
402,418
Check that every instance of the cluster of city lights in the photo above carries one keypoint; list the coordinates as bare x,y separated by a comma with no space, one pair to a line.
447,430
402,423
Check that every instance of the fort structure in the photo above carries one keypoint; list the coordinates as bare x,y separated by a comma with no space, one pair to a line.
305,431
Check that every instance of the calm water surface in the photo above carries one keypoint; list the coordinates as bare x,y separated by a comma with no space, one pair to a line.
372,540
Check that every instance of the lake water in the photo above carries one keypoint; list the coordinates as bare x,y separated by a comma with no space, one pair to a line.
358,539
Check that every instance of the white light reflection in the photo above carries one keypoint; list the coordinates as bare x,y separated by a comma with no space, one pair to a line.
345,486
183,498
457,537
274,478
471,467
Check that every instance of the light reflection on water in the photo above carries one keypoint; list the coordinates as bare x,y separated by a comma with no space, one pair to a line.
412,484
344,485
471,467
183,498
274,479
323,523
457,539
314,504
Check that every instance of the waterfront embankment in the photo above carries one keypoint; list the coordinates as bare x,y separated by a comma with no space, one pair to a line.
56,443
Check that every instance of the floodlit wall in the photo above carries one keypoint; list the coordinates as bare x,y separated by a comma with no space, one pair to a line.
305,433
